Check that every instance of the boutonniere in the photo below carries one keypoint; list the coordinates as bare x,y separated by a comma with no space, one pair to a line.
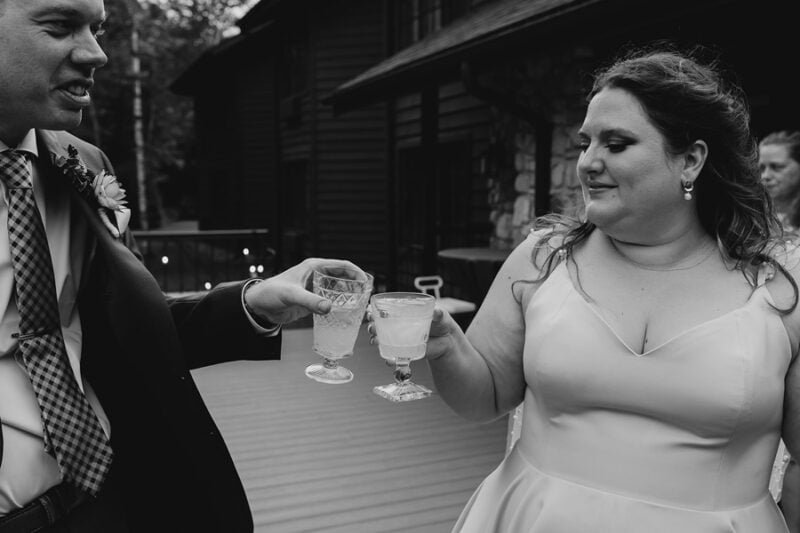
102,191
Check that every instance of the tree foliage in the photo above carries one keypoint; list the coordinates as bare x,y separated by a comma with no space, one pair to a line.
172,35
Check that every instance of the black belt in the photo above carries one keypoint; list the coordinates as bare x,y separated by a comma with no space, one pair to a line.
44,511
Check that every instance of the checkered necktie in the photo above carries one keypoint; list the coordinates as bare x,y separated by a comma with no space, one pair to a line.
72,432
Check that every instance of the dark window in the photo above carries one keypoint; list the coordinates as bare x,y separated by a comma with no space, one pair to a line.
447,214
429,13
406,23
415,19
452,9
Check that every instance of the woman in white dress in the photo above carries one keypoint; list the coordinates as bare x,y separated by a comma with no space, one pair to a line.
652,343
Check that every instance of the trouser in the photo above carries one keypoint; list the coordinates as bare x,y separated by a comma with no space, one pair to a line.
65,509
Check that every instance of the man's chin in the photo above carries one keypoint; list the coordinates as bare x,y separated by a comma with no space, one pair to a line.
64,120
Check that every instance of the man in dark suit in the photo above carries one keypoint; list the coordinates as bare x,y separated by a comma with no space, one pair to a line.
155,460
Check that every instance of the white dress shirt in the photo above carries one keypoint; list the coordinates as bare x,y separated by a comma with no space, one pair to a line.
26,470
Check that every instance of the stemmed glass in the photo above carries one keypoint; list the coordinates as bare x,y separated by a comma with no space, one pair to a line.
335,333
402,321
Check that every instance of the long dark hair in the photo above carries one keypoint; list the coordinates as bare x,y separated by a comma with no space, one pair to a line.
687,100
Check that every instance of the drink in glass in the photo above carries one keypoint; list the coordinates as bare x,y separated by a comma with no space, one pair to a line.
335,333
402,322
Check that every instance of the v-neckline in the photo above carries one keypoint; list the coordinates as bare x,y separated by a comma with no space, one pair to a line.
674,338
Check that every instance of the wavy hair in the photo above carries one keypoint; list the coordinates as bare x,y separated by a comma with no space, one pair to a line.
687,100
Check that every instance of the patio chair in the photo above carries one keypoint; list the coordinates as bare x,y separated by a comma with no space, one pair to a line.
433,285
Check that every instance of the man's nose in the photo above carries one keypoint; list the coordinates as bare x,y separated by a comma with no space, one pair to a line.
88,52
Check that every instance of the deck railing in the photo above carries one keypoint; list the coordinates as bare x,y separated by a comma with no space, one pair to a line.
193,260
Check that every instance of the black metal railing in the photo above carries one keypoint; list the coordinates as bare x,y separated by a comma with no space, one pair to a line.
192,260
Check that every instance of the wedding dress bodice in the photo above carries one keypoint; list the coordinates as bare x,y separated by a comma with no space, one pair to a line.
681,438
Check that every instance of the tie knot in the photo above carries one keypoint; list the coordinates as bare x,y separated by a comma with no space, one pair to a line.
14,170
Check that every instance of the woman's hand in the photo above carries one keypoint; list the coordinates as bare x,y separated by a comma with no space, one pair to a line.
440,338
440,335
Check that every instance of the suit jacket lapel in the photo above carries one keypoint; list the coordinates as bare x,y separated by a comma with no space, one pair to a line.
83,243
131,301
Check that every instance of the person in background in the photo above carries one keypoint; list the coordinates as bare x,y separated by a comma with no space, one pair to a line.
103,428
654,341
779,162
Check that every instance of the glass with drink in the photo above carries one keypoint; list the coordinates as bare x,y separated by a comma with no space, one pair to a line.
402,321
335,333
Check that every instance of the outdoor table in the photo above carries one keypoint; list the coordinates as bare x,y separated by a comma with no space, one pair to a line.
474,268
325,458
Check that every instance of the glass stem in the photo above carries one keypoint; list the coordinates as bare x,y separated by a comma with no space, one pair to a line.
329,363
402,372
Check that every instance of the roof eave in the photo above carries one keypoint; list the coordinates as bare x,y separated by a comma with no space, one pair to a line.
370,89
366,89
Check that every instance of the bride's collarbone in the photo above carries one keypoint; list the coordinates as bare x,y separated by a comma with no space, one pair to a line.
645,313
645,297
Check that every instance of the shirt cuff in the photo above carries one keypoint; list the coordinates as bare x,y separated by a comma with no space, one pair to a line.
261,326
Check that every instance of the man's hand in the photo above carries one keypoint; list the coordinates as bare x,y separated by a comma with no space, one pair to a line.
288,296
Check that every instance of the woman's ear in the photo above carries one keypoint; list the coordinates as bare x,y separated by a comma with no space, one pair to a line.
693,160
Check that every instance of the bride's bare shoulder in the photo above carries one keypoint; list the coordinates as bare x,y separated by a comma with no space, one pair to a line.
783,279
530,254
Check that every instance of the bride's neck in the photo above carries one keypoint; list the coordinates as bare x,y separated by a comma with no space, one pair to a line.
683,252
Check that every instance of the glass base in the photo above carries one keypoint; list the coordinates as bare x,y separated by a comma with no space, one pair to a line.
329,374
402,392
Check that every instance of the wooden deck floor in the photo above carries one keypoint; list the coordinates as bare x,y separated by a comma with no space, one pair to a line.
338,458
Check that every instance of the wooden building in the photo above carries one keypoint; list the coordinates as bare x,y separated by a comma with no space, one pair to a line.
271,154
402,127
525,67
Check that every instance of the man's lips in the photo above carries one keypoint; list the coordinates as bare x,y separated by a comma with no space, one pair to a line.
77,91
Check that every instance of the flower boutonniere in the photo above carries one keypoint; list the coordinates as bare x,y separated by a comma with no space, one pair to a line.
102,191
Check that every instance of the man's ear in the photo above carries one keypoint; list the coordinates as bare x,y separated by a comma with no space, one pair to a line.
693,160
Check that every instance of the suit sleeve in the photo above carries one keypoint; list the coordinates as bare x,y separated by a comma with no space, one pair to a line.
214,328
212,325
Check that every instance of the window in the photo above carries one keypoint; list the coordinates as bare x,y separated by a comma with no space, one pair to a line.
452,9
433,214
416,19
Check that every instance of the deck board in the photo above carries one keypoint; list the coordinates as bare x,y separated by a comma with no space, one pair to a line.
338,458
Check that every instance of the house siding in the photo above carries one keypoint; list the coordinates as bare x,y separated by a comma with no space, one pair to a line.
236,139
351,194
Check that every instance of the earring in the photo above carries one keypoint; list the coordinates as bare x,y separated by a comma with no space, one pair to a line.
688,187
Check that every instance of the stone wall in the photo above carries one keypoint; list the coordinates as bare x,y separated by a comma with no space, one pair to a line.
554,86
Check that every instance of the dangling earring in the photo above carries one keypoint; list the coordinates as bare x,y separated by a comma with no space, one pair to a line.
688,187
